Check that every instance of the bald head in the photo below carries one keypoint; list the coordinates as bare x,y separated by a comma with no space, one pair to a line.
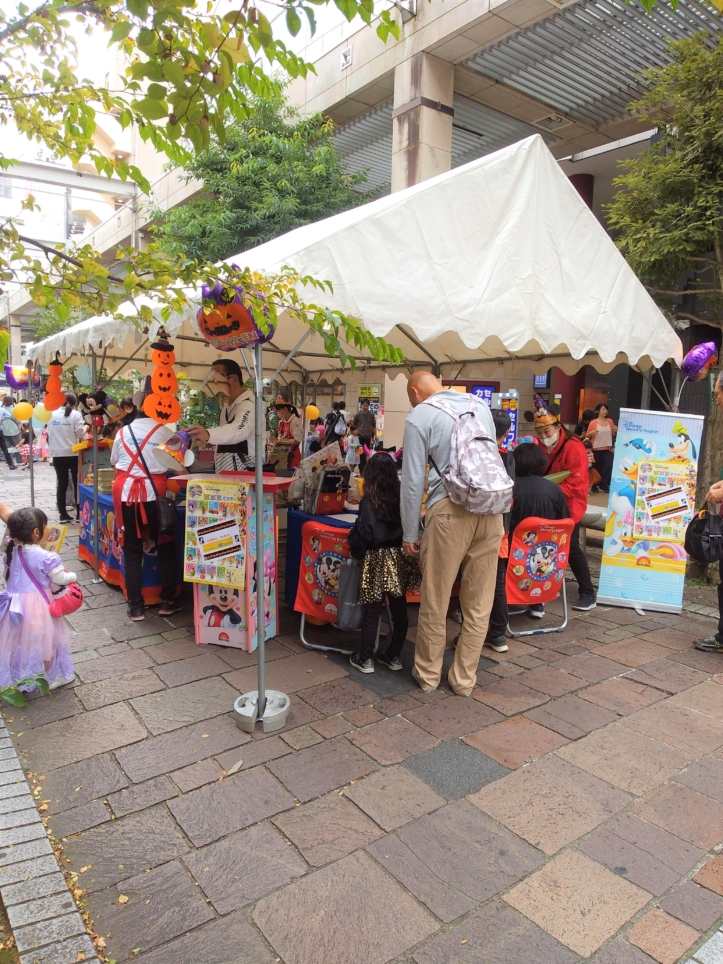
421,385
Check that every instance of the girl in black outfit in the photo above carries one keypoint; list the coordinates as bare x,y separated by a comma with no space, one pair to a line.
377,539
130,412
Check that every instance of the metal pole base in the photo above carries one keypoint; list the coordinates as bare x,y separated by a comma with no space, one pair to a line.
246,711
97,582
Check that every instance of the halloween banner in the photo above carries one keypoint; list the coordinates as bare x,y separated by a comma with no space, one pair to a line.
651,502
323,550
538,559
215,549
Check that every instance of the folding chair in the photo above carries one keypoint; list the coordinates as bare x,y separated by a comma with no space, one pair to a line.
539,551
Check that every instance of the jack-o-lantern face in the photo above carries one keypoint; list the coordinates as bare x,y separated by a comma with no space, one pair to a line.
225,320
162,409
163,381
163,357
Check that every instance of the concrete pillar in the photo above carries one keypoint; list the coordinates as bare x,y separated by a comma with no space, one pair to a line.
15,340
422,120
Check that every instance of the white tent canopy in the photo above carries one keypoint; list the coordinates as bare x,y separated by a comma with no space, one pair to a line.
497,262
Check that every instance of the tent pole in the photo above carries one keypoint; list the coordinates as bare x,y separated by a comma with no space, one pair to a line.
259,455
96,520
31,455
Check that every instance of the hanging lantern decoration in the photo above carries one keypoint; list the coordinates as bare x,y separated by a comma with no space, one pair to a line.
17,378
230,324
162,405
54,394
23,411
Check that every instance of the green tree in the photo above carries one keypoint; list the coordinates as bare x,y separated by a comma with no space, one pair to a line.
188,71
273,172
668,213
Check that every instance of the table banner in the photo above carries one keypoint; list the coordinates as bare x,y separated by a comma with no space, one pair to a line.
215,547
651,502
323,551
537,561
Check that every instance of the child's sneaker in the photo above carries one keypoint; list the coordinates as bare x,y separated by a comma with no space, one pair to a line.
363,665
393,663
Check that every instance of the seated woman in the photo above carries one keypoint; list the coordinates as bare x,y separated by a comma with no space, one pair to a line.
534,495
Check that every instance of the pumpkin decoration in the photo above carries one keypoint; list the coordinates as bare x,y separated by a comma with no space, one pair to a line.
230,324
162,405
54,394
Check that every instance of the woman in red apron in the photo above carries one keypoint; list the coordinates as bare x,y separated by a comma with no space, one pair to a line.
290,427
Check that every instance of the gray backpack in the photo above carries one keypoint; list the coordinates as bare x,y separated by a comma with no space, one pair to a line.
475,479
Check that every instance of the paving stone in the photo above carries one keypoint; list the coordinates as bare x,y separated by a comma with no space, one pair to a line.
394,705
570,716
170,650
694,905
126,847
240,659
626,759
338,696
78,819
189,670
327,829
363,716
552,681
464,850
671,850
65,952
453,718
244,866
49,932
705,662
196,775
40,909
62,705
706,777
515,741
332,726
504,670
515,648
112,648
668,676
142,642
620,952
712,951
18,818
550,803
301,737
161,905
294,673
181,747
318,769
13,804
662,937
509,697
111,666
394,797
18,835
685,813
29,869
577,901
254,754
711,875
33,889
237,802
591,667
392,740
88,640
59,744
678,726
10,766
454,769
141,796
77,784
368,918
626,860
495,934
227,941
631,652
706,698
95,695
186,704
670,638
117,623
623,696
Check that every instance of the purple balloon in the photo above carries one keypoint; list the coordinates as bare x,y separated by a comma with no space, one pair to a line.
699,361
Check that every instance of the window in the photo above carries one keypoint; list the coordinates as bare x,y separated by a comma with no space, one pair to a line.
6,190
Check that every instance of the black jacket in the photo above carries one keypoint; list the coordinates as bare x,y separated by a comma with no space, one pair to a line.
534,495
371,533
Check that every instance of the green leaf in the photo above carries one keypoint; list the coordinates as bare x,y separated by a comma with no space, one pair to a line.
173,72
120,31
146,38
13,697
347,7
156,91
264,32
293,21
311,18
151,109
139,8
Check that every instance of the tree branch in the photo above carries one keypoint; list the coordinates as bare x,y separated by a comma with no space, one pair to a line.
50,251
697,320
687,291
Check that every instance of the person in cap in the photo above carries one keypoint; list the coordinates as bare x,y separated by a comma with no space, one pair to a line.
565,452
290,427
233,438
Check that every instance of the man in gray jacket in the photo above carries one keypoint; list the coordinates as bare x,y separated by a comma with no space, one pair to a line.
453,539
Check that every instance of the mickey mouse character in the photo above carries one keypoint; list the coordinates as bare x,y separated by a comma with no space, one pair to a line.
94,407
221,613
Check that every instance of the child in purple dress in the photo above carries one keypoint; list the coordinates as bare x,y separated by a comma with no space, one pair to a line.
32,642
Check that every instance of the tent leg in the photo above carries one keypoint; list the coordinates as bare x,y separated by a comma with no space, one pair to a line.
270,706
96,520
31,456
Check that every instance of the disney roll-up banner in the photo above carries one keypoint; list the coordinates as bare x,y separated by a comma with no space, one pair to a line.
651,502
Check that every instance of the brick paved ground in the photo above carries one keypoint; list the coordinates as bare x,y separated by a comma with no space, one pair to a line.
571,810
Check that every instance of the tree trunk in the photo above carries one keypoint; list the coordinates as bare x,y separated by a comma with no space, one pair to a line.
709,468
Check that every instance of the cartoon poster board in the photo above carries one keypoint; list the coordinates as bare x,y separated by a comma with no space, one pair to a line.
651,502
215,545
329,455
538,560
221,617
270,580
323,551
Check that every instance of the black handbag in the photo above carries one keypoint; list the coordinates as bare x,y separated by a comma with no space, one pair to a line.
165,507
704,537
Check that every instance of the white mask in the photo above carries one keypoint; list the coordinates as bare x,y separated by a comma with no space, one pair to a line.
552,441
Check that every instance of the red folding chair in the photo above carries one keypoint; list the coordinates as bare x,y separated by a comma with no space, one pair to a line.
536,567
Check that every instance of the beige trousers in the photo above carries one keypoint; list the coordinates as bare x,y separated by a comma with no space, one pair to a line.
455,539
